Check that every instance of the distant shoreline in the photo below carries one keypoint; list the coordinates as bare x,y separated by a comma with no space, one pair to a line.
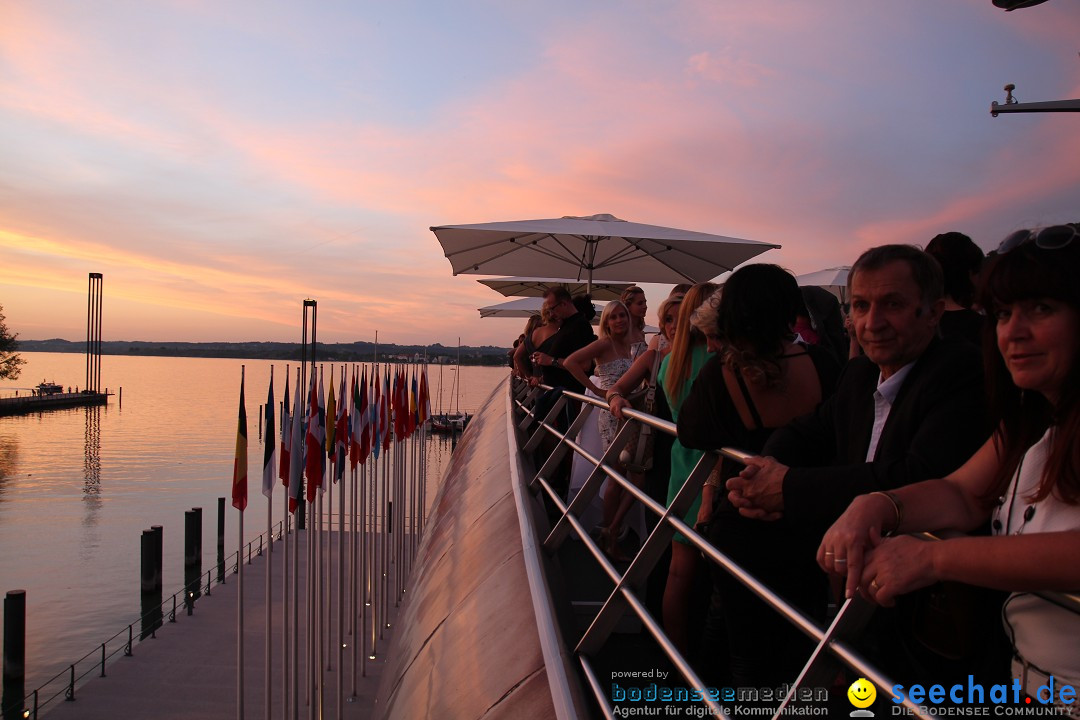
329,352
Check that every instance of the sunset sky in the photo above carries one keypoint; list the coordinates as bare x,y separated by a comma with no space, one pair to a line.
220,161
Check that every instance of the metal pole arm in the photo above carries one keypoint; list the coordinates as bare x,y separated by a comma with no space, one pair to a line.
1035,107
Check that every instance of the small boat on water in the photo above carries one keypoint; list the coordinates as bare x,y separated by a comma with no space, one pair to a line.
49,388
449,422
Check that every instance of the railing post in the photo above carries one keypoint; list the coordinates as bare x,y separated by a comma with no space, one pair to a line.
69,693
102,660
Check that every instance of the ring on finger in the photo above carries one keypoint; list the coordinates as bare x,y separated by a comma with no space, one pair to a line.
829,553
874,585
840,561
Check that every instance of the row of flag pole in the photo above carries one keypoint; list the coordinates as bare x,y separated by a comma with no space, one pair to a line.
358,428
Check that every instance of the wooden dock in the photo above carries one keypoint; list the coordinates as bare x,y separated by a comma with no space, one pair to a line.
26,404
189,669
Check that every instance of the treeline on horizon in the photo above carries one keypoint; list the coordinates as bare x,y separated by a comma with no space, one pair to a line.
339,352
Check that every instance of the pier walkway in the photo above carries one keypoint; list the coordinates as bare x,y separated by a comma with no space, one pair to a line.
26,404
189,669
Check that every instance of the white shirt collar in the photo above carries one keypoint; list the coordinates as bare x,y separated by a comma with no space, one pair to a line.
890,387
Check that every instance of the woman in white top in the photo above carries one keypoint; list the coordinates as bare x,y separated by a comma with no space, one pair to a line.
1026,478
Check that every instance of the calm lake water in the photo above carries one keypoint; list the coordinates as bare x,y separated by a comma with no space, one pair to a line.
78,487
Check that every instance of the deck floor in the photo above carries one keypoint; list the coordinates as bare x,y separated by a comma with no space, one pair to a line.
189,669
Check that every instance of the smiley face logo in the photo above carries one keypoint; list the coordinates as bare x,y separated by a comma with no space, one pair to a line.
862,693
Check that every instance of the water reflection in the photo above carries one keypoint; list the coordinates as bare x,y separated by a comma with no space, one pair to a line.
9,459
92,466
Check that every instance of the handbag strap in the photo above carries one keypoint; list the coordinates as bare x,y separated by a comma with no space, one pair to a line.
650,393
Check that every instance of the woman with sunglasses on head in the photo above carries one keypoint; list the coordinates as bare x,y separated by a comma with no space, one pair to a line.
1025,479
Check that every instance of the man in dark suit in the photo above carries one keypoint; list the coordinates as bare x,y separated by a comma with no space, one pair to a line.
574,334
910,409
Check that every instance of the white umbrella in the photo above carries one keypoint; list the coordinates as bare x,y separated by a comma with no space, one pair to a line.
520,308
526,306
598,247
832,279
536,287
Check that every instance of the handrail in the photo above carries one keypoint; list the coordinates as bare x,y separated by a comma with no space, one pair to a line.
188,596
851,616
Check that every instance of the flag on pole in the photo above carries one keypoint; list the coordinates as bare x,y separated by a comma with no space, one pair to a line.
316,435
331,418
354,422
376,414
296,441
322,422
286,435
425,402
414,410
384,413
341,432
402,407
270,438
239,478
365,419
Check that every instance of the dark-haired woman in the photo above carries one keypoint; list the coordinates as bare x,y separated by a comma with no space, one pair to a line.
1026,478
759,380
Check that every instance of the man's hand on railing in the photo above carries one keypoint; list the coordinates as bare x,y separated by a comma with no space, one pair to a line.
758,491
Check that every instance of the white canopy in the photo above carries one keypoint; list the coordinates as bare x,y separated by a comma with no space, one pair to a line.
598,247
833,279
536,287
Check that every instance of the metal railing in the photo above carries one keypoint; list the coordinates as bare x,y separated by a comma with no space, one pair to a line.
830,641
66,682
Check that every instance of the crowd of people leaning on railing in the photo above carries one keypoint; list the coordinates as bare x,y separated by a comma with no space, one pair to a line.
944,397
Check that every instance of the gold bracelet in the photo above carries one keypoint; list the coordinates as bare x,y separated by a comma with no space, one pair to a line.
613,394
898,508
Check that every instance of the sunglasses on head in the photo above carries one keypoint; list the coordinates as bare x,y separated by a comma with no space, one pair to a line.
1054,237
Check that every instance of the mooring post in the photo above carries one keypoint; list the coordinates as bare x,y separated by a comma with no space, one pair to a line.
190,538
221,522
221,539
14,653
159,555
198,535
192,555
146,556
